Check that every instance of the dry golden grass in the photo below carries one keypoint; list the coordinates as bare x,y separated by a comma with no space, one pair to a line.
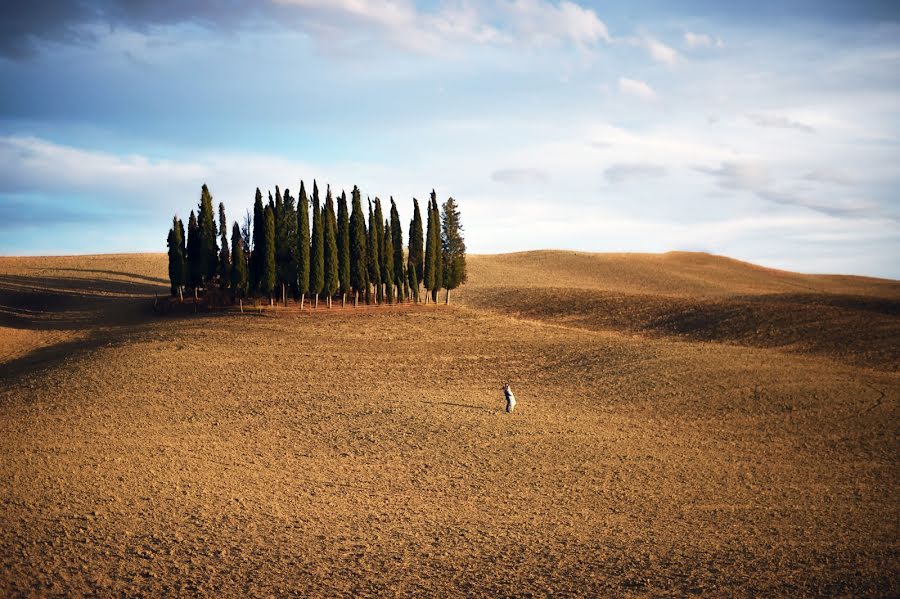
367,453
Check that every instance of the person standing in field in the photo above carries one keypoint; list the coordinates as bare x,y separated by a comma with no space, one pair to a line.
510,398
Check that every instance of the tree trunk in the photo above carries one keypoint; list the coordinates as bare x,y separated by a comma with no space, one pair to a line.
271,300
180,294
343,300
302,298
283,294
356,298
448,298
317,301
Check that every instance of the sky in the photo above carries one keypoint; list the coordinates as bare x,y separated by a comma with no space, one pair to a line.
765,131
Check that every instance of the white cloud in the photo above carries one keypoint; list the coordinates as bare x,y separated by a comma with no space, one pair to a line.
520,176
661,52
775,121
621,173
544,21
636,88
697,40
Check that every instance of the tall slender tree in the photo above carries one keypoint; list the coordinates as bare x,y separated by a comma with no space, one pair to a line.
453,248
397,242
286,246
332,278
413,281
195,254
438,261
343,242
303,244
268,276
259,234
387,257
379,223
430,252
239,283
416,243
372,251
281,253
317,251
224,254
358,240
209,256
176,258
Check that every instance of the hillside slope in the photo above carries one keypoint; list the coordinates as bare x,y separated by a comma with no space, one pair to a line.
696,297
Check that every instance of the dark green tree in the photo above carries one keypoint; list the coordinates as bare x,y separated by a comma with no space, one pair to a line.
372,251
259,235
209,257
397,242
224,269
317,251
329,223
176,258
239,282
453,248
416,243
358,242
430,252
303,242
268,275
438,261
413,281
194,254
286,246
379,223
387,257
343,243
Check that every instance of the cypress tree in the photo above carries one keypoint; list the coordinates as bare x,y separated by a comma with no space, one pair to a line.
358,240
416,243
268,275
413,281
292,260
194,254
343,242
224,254
259,235
281,254
397,241
239,283
209,258
387,257
428,268
176,258
332,278
438,260
453,248
373,251
379,223
317,251
303,243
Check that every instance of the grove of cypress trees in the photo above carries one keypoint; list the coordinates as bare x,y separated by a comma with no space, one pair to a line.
224,269
438,260
176,258
428,279
358,240
317,251
239,282
303,244
332,280
209,258
373,251
387,257
259,234
268,275
194,254
379,223
453,248
343,242
397,242
416,245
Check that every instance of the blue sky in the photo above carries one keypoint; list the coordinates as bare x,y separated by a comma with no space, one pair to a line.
770,132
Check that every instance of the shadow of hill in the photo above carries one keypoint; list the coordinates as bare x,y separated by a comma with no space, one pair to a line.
116,273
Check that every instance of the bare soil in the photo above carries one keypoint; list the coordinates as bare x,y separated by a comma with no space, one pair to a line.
687,425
